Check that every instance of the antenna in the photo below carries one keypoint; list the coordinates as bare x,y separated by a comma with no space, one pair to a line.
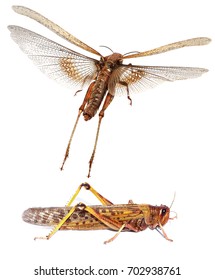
107,48
173,200
130,53
171,206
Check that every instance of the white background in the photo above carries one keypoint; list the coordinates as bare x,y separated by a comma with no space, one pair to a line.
162,144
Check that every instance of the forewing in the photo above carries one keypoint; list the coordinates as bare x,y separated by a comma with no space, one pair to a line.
199,41
138,78
53,27
56,61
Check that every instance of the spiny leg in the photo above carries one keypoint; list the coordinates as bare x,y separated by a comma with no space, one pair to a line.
115,235
111,224
70,140
58,226
107,102
102,199
127,225
128,94
94,148
81,109
162,232
88,187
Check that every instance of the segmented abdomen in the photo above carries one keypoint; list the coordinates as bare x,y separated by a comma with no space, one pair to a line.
97,95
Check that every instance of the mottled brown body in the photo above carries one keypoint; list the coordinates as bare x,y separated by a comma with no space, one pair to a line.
99,88
117,217
139,216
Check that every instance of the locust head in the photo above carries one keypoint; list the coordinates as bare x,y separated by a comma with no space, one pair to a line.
163,218
113,60
163,215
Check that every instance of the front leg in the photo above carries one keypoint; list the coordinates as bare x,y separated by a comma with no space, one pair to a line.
162,232
128,94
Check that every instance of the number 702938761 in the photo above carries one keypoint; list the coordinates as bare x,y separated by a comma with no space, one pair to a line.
154,270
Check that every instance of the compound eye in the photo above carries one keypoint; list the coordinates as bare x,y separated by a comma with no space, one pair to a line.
163,211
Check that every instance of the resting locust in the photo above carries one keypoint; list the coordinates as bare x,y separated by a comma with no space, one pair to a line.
129,217
105,78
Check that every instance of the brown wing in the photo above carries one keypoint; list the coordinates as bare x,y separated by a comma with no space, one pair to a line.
56,61
53,27
139,78
199,41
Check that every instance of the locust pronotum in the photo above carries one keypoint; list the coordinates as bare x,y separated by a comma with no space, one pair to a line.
118,217
105,78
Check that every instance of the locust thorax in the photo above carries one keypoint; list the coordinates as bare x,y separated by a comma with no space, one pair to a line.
113,60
